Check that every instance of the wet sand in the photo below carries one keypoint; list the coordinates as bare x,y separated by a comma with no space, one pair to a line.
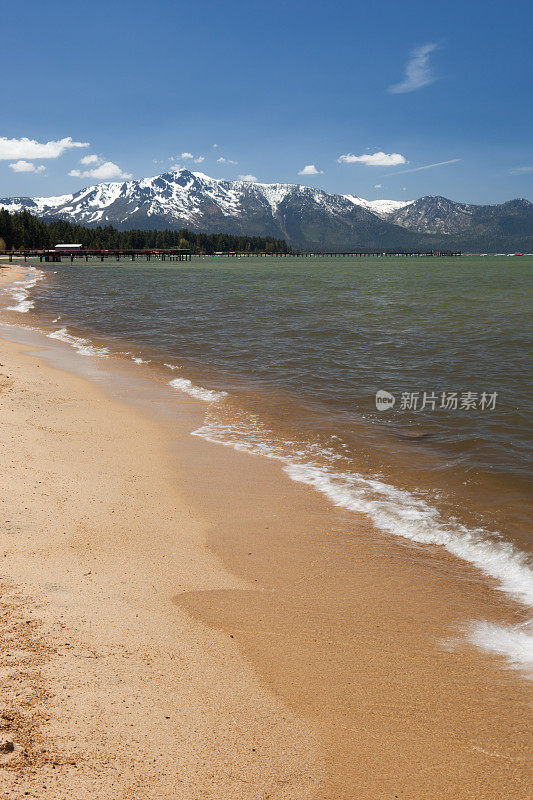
181,620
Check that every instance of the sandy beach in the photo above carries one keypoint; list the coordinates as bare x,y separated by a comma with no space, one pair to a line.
180,620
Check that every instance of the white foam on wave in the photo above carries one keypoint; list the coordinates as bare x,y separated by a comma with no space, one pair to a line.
20,291
400,513
139,360
199,392
512,642
82,346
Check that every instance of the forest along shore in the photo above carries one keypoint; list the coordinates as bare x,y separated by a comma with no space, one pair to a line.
185,620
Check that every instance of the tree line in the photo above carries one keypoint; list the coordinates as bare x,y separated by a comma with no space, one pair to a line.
23,231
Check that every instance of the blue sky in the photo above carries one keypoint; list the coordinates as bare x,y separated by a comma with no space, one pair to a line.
278,87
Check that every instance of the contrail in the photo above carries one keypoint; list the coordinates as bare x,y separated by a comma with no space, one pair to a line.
427,166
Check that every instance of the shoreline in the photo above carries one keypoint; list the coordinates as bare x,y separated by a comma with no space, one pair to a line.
125,702
256,571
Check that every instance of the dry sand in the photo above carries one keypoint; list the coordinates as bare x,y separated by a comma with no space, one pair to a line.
181,621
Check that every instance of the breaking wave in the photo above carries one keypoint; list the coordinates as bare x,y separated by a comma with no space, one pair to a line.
82,346
512,642
20,291
397,512
199,392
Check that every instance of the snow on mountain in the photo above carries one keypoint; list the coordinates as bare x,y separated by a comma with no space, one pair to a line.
434,215
37,205
306,217
380,207
180,194
275,193
510,222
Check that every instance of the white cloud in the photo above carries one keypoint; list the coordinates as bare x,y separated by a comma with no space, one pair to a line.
427,166
107,171
29,148
310,169
190,157
379,159
520,170
417,71
404,188
223,160
249,178
378,186
26,166
90,160
215,146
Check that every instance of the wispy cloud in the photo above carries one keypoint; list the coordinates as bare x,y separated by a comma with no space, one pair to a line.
378,186
310,169
223,160
29,148
418,72
26,166
427,166
378,159
186,155
103,170
520,170
249,178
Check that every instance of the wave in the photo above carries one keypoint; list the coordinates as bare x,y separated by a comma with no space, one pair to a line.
396,512
199,392
20,291
392,510
81,345
513,642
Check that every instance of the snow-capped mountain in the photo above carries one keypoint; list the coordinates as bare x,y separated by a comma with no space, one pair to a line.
307,218
184,198
179,199
442,216
434,215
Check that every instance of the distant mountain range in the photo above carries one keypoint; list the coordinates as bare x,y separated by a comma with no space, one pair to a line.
309,219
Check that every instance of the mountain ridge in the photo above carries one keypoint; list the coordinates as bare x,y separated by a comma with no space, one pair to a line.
307,218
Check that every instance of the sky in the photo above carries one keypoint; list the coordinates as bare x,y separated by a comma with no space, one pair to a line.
387,99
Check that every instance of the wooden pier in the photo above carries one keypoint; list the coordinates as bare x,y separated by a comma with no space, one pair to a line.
180,254
358,253
421,253
172,254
